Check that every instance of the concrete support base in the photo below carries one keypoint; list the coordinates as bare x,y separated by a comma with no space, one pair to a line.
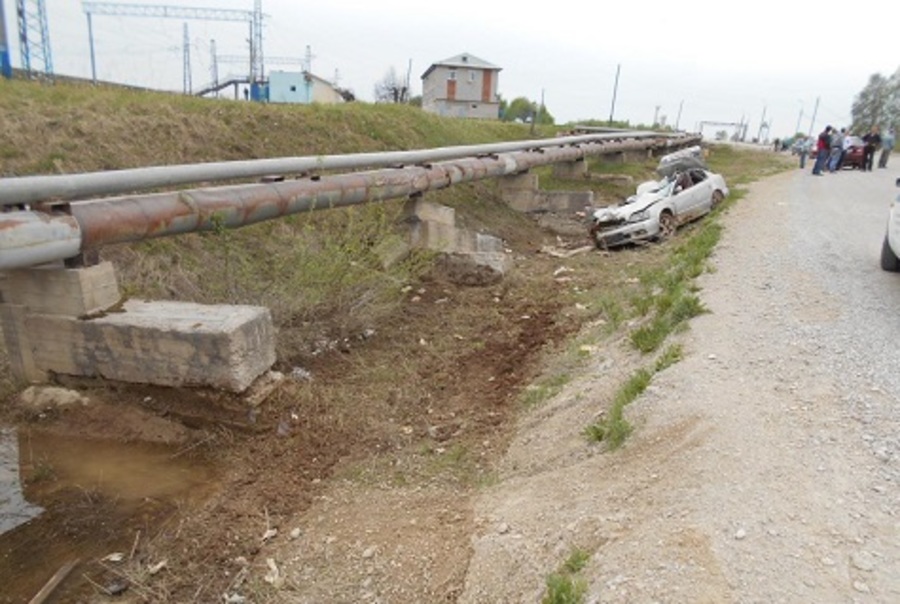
521,192
72,322
467,257
572,170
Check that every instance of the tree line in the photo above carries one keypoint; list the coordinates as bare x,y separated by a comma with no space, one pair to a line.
878,104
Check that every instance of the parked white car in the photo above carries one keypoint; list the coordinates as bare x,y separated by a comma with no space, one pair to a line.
658,208
890,249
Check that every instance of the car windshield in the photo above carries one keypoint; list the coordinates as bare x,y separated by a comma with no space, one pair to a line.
651,187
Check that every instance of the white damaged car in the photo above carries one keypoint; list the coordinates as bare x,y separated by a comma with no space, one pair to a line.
890,248
686,192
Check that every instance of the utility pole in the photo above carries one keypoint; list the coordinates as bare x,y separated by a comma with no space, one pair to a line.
257,69
678,119
187,60
656,116
408,75
762,125
5,64
214,66
799,118
612,109
813,120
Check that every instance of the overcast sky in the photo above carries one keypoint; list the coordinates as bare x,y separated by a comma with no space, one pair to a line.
715,61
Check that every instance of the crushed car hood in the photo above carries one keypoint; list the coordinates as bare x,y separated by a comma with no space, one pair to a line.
635,203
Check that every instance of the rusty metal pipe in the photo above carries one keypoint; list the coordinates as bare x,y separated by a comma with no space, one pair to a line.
135,218
32,189
28,238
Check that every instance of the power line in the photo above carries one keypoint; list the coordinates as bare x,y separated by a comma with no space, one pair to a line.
254,18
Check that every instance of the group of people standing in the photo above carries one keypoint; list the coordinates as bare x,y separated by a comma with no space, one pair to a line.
832,147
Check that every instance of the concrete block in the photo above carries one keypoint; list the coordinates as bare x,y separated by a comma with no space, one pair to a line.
56,290
470,242
427,211
161,343
566,201
520,192
572,170
433,236
527,181
20,344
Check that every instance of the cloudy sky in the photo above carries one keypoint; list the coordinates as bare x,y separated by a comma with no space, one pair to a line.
688,62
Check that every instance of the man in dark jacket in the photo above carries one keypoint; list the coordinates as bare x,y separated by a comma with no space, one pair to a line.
872,141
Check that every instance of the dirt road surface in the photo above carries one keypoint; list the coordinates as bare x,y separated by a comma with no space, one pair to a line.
764,466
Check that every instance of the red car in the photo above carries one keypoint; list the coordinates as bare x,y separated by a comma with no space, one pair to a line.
853,158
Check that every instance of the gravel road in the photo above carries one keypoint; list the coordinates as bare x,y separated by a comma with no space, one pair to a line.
764,466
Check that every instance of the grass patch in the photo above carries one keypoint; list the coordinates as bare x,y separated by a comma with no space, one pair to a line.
565,586
673,354
544,390
668,297
613,428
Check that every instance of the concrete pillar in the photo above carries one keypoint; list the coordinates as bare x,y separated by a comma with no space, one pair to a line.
571,170
72,321
466,257
520,191
432,226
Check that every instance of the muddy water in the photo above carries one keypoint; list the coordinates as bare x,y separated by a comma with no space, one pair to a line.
64,499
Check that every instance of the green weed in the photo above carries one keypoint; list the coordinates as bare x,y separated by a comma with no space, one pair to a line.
544,390
565,586
673,354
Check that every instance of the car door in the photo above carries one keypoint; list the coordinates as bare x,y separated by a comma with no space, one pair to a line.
703,190
688,202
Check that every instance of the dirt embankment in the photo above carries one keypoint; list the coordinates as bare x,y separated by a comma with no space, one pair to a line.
398,465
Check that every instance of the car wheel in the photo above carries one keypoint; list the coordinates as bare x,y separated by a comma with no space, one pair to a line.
889,260
717,198
667,225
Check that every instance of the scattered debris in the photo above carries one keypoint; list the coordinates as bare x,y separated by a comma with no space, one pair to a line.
54,582
269,534
42,398
565,253
155,568
273,577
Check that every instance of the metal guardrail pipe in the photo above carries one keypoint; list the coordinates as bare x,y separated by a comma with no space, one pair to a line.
29,238
60,187
135,218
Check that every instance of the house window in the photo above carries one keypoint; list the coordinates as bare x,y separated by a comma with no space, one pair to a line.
293,89
471,76
452,75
